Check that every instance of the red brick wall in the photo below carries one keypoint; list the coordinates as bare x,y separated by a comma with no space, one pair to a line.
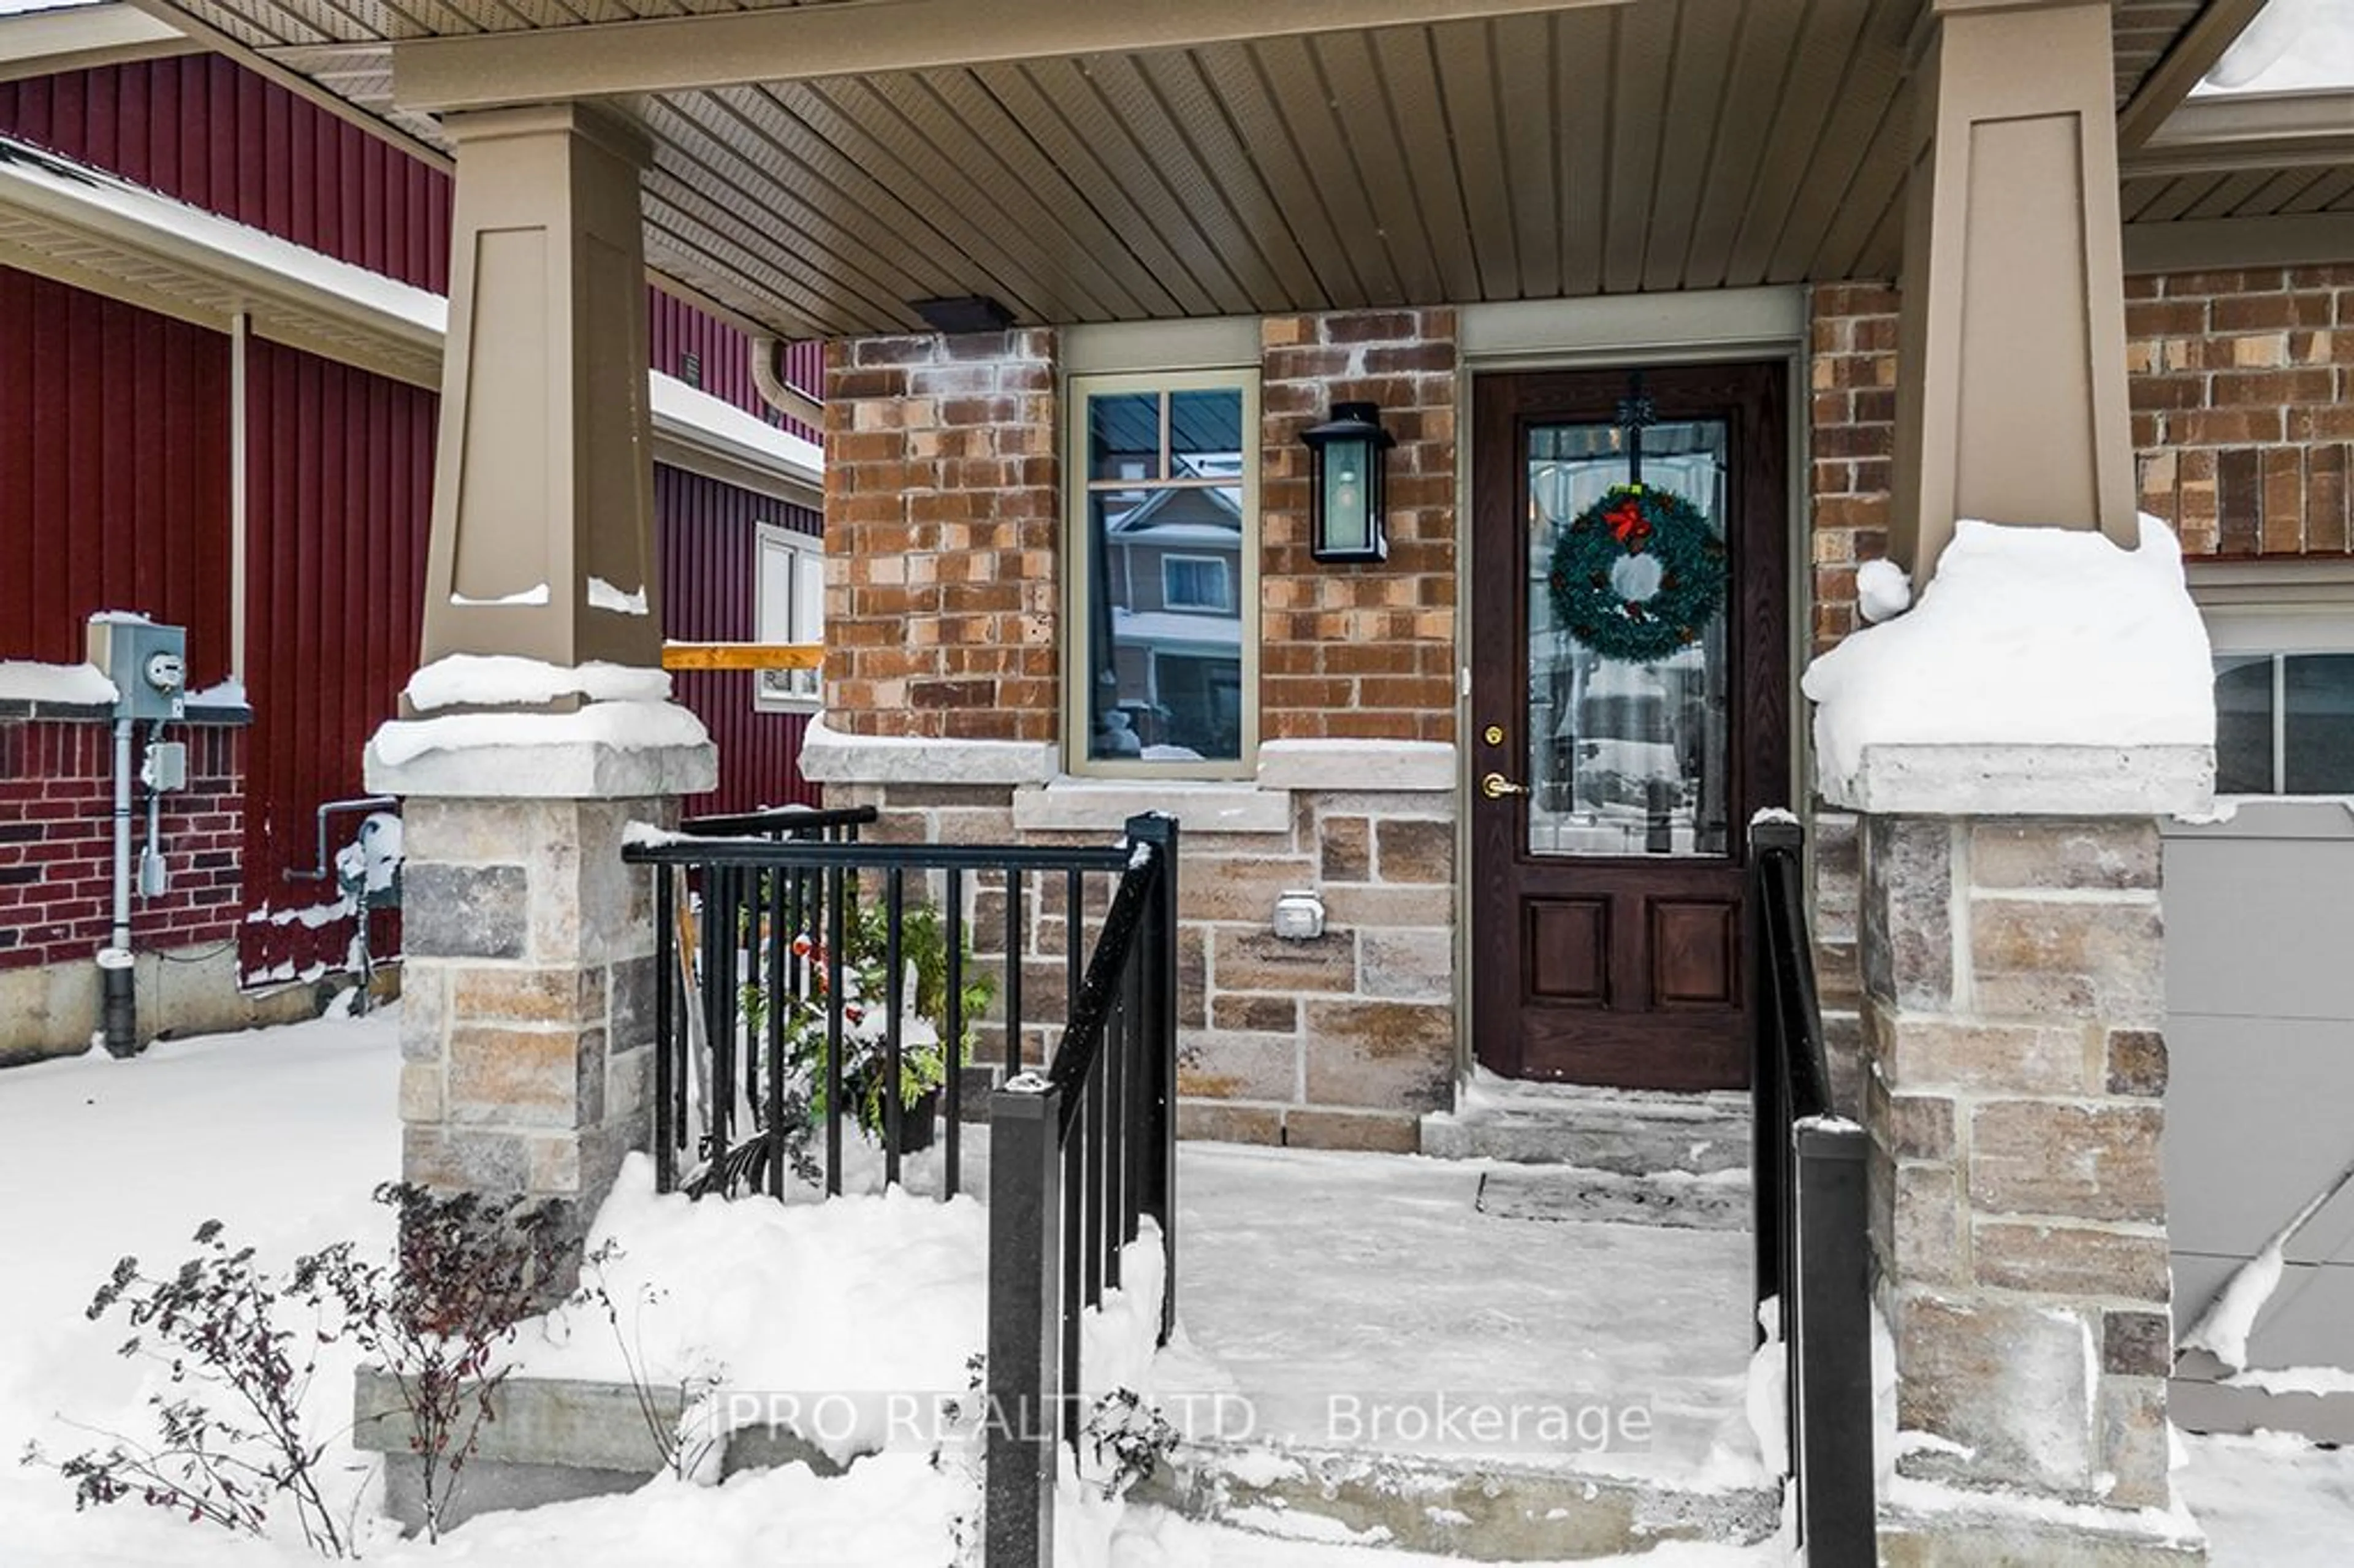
1359,652
2242,410
57,842
2243,392
1852,429
943,504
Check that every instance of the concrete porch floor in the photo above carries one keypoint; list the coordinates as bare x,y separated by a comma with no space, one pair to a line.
1378,1336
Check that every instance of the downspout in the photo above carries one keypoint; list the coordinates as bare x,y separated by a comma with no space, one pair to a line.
789,401
240,330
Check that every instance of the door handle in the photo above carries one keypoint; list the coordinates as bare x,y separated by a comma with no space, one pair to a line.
1496,787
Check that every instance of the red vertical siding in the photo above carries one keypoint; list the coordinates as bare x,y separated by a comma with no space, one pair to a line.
209,131
805,367
113,472
707,534
340,467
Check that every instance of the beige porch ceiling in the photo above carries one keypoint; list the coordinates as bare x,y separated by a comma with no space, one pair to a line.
1471,150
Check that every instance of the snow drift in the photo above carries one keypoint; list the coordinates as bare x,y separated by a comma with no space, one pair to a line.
2025,637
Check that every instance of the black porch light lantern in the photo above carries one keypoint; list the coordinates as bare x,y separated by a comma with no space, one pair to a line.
1349,518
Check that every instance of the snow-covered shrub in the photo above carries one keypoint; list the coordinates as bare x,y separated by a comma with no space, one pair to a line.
230,1443
468,1270
240,1347
925,1058
687,1445
1128,1439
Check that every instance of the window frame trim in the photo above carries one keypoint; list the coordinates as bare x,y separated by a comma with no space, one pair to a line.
1225,604
807,551
1077,487
2277,610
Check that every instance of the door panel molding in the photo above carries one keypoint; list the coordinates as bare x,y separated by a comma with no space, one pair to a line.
1666,1009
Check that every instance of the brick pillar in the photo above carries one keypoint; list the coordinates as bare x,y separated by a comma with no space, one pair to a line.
2013,982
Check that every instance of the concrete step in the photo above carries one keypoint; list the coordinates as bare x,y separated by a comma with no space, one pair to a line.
1497,1511
1631,1132
1568,1194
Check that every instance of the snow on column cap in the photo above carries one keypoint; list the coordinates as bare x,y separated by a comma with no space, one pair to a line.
627,738
2050,639
507,680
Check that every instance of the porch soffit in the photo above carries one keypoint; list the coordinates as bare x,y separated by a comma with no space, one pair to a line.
1609,147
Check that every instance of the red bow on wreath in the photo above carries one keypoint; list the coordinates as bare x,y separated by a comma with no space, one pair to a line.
1628,525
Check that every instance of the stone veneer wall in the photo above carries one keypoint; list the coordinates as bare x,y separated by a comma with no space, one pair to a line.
1343,1041
527,986
2014,994
1338,1043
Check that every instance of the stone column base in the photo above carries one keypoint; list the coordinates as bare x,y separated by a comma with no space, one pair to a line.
527,1039
1990,1536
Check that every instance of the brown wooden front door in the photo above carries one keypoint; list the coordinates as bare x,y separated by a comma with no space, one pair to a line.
1611,794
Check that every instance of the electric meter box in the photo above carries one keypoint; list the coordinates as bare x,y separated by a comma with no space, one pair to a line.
148,664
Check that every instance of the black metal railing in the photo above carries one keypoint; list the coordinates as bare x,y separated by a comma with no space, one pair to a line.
808,981
1813,1246
1081,1154
831,825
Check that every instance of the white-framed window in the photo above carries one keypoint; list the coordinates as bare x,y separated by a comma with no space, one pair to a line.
2283,638
788,607
1197,582
1162,601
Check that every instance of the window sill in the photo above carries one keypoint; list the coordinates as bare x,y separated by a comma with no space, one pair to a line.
1200,805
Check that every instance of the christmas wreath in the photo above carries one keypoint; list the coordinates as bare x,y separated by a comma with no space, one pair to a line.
1638,574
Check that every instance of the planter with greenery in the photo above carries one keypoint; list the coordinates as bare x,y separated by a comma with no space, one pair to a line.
924,1059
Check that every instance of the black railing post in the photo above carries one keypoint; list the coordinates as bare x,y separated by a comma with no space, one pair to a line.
667,1046
1831,1329
1024,1370
1157,950
1769,840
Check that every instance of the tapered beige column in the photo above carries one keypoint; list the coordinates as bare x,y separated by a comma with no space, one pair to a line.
543,496
2011,402
527,1025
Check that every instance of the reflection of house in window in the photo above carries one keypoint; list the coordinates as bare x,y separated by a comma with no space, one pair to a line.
1176,640
1164,611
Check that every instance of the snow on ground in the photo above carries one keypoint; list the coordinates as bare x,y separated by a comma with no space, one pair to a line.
2271,1500
1341,1355
282,1133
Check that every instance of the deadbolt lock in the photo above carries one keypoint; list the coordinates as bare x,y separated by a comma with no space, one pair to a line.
1493,735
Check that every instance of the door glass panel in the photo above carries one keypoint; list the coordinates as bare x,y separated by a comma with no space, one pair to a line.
1625,757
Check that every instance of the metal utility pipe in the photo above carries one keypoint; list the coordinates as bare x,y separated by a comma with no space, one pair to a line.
120,1016
151,859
